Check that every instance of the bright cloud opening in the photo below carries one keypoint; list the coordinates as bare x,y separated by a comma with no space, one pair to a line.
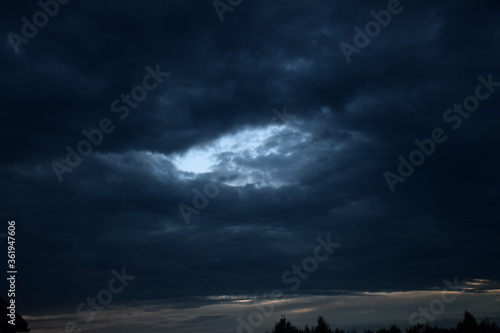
243,155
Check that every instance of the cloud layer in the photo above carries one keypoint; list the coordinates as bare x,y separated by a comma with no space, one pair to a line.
281,181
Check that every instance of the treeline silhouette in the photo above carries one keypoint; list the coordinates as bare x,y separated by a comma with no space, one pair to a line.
467,325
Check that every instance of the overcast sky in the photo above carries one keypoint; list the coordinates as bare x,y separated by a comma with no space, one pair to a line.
204,147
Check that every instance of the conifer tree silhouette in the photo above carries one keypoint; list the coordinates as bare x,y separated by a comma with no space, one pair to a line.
467,325
322,326
284,326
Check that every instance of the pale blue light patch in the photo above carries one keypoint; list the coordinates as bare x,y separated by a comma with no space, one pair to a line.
248,142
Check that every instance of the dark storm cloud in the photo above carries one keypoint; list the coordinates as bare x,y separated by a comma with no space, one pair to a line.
119,208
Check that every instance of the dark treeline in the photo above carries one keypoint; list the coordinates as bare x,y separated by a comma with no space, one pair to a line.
467,325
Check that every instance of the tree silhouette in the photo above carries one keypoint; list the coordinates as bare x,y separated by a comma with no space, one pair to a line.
467,325
284,326
487,327
322,326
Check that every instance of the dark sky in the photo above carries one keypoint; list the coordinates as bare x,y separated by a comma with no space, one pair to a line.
289,139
